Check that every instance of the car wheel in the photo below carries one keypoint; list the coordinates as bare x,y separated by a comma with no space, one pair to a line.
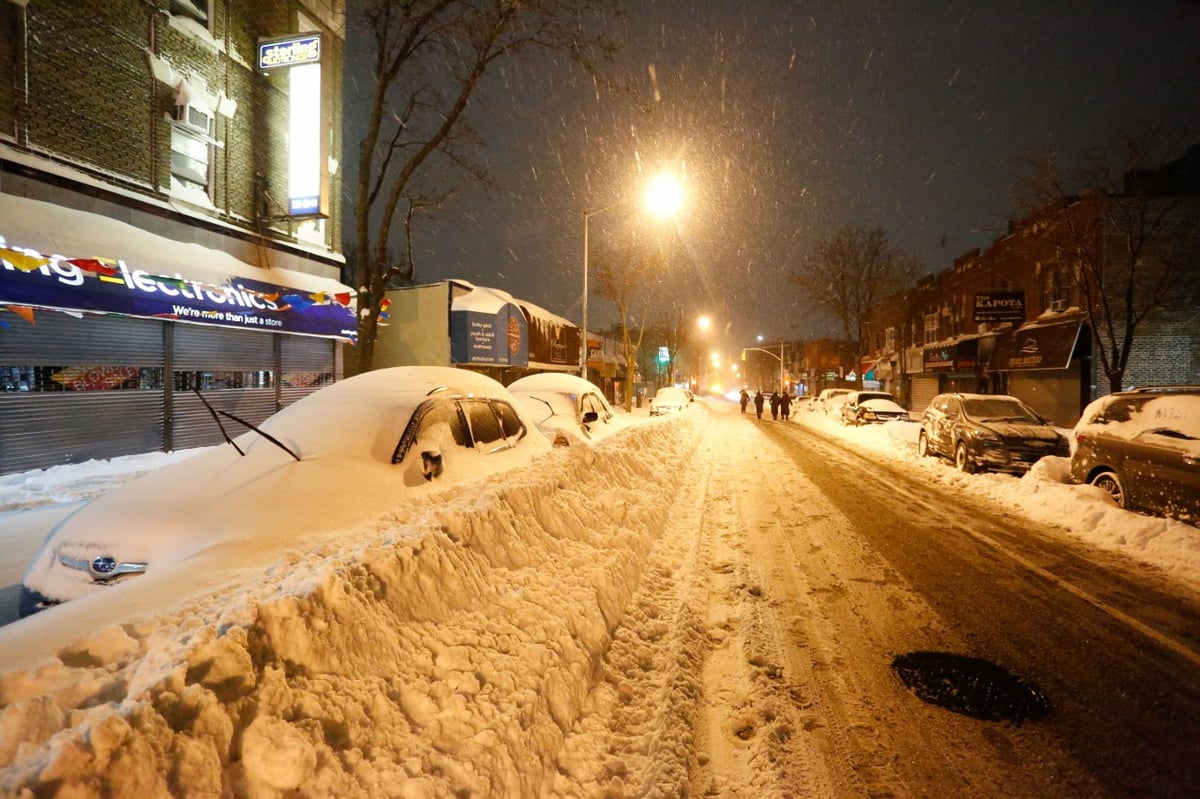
923,445
962,460
1111,485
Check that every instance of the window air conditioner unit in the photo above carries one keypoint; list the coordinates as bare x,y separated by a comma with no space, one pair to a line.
194,118
1058,306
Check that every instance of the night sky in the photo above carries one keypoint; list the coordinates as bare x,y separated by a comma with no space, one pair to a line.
790,121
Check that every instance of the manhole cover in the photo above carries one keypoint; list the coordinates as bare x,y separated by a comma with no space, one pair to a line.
971,686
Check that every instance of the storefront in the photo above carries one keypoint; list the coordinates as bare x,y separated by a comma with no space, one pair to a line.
948,367
107,333
1046,366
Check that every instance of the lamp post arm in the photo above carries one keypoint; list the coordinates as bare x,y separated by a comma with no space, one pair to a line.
778,357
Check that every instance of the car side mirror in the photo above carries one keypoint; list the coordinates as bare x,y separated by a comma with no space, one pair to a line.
431,464
590,416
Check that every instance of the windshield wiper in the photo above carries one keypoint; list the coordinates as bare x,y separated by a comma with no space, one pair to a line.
244,423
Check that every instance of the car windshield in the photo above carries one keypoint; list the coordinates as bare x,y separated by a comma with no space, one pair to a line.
995,409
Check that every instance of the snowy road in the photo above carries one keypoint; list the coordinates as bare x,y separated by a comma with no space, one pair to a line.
795,570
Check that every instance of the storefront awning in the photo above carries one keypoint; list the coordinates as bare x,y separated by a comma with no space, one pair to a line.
60,258
1036,347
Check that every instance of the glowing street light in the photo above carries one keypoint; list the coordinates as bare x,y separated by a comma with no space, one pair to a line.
664,196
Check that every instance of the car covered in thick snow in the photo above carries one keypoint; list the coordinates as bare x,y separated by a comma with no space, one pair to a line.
871,407
669,399
567,408
342,455
1142,447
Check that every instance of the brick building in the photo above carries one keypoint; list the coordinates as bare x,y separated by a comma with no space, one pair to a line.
169,219
1013,319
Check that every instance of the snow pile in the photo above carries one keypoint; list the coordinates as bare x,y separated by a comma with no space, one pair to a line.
445,651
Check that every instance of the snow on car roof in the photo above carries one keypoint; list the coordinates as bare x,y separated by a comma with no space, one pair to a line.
1179,413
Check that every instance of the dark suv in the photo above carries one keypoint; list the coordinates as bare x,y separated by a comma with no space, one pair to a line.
987,432
1143,448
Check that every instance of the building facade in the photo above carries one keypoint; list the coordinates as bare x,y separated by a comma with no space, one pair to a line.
1019,317
170,220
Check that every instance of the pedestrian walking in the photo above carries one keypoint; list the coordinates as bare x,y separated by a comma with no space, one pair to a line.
785,405
775,405
758,403
745,398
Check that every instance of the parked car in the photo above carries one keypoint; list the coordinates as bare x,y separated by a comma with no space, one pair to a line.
830,400
567,408
669,399
1142,447
988,432
342,455
871,407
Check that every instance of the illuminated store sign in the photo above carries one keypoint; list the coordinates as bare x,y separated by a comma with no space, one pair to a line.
28,278
289,52
308,120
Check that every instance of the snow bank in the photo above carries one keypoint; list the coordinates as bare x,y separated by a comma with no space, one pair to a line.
446,651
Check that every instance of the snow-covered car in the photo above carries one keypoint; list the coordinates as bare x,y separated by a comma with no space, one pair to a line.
1142,447
669,399
567,408
871,407
342,455
982,432
830,400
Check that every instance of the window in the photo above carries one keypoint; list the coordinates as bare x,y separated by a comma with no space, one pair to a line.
192,9
190,156
931,328
510,423
485,427
889,339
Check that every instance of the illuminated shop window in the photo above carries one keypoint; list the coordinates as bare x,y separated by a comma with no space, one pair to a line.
190,156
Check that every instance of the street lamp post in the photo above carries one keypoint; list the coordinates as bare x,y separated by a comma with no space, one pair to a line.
663,197
778,357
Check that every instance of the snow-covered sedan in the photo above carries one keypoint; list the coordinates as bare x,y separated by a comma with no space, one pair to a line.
567,408
871,407
342,455
669,399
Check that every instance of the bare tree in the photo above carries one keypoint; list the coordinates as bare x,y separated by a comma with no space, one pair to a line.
851,271
429,59
627,275
1130,242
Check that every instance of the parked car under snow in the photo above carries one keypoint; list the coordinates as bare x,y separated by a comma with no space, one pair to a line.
987,432
1142,447
567,408
342,455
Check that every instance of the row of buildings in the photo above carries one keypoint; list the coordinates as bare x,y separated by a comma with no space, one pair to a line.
1042,313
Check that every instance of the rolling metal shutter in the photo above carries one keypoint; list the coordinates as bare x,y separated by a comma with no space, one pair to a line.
924,389
39,429
198,348
307,364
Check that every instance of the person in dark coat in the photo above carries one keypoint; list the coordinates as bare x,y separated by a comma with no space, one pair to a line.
745,398
775,405
758,403
785,405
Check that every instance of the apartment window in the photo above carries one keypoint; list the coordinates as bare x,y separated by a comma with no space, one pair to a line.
931,328
1055,288
190,157
889,339
192,9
